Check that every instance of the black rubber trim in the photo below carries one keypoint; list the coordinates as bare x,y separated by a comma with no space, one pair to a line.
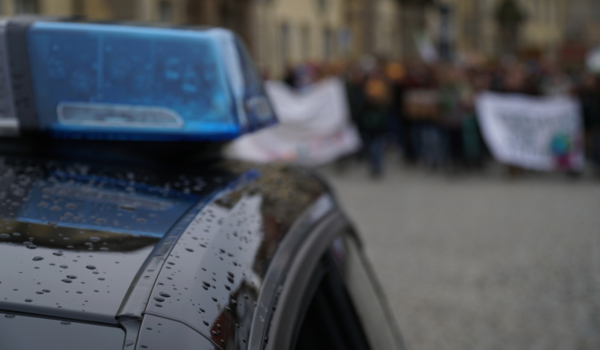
18,60
299,274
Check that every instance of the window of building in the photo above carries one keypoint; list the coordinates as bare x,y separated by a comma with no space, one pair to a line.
327,44
164,12
285,43
26,6
306,42
78,7
322,4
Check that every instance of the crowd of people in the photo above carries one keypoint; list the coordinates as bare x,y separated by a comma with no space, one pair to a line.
428,111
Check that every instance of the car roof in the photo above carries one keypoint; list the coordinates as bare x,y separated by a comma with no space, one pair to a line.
79,241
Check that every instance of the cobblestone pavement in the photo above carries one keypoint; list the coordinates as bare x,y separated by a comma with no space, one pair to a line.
481,261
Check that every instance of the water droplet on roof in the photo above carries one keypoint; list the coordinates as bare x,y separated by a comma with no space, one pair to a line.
37,258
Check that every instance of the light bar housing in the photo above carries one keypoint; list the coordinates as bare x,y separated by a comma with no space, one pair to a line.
123,82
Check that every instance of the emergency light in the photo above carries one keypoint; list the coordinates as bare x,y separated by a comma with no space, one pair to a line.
124,82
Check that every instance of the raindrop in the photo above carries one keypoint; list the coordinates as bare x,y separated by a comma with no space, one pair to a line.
46,290
101,278
71,277
90,267
4,235
66,280
159,299
158,305
37,258
39,292
79,292
9,316
28,300
103,248
66,323
94,239
206,323
57,253
64,266
16,234
162,294
189,249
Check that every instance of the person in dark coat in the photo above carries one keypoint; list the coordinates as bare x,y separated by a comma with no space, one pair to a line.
373,121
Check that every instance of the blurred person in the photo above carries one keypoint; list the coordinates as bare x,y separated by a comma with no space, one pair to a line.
289,77
589,97
554,82
514,80
355,91
395,73
416,78
373,120
455,95
474,148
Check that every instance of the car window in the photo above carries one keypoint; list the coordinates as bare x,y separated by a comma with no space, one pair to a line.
24,332
367,298
329,320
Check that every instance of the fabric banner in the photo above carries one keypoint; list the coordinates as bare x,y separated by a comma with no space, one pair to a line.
314,127
540,133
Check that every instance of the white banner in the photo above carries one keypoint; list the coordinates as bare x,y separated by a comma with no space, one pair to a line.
314,127
541,133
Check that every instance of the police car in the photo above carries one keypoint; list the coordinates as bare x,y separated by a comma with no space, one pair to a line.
122,228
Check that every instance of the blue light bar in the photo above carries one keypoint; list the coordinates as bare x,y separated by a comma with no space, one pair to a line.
99,81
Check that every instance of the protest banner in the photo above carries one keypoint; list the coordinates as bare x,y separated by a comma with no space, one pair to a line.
540,133
314,127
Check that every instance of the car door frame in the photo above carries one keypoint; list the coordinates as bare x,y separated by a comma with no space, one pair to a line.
291,300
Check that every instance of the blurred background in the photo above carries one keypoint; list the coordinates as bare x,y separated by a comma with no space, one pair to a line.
462,137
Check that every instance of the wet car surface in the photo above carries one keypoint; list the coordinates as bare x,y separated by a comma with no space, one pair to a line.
118,231
110,245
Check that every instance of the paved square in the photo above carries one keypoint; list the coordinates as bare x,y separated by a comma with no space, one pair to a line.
481,261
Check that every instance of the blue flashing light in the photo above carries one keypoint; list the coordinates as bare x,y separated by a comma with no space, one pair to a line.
98,81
